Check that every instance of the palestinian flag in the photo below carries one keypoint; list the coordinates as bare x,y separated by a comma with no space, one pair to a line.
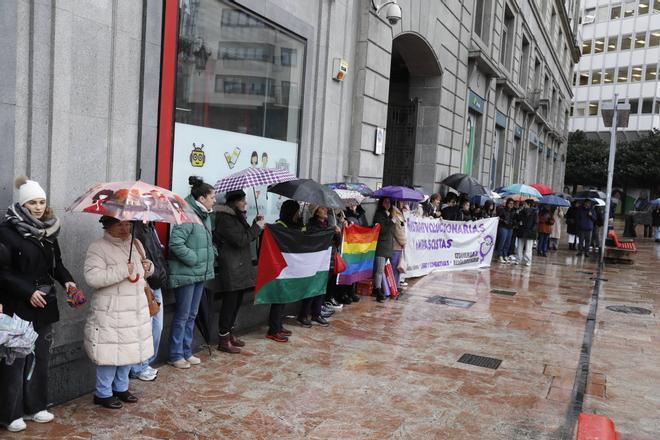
358,251
293,265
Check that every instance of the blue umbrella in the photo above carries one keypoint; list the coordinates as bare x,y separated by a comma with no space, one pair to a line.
655,202
399,193
554,201
523,190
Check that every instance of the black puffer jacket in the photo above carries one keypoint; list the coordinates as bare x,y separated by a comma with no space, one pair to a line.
385,245
507,218
233,237
356,217
33,263
527,224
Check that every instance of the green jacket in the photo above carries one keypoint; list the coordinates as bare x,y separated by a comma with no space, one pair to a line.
192,253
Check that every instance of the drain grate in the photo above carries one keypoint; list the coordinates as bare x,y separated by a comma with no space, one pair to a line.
480,361
453,302
503,292
598,279
630,310
586,272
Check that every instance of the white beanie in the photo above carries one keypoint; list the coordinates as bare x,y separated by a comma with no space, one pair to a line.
29,190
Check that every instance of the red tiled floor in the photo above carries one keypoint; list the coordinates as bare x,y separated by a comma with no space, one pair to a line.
391,371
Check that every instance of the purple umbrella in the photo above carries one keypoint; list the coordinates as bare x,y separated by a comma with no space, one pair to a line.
399,193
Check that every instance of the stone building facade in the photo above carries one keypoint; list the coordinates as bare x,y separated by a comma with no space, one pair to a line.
112,89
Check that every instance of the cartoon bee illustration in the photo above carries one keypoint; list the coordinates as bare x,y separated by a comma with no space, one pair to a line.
197,156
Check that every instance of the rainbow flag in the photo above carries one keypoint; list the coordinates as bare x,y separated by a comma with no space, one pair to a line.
358,251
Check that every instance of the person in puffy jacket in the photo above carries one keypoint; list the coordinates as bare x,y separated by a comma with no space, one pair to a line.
526,231
233,237
507,217
546,221
29,234
400,237
385,244
585,217
190,265
118,329
355,215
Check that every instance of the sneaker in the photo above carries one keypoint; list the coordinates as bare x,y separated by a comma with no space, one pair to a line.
502,260
327,314
40,417
356,298
146,375
334,305
304,322
181,363
111,402
515,262
404,284
277,337
528,264
327,311
320,320
17,425
192,360
286,332
345,300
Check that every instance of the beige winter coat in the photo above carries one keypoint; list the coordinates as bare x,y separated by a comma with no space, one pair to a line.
399,229
118,328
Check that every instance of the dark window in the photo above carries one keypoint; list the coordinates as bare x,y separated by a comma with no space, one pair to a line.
647,106
289,57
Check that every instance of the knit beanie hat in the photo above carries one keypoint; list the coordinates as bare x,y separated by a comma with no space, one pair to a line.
28,190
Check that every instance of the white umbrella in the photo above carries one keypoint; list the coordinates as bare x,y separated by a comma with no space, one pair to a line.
350,196
598,202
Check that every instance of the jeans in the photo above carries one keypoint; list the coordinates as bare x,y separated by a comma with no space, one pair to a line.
156,330
18,395
231,304
504,242
543,244
188,298
311,307
585,238
111,378
275,318
379,272
396,258
525,250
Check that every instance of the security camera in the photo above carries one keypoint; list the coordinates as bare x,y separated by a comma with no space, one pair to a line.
393,13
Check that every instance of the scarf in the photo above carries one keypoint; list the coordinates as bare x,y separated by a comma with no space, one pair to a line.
28,226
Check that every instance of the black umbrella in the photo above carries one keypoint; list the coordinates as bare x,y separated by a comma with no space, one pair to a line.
307,190
204,320
466,184
591,194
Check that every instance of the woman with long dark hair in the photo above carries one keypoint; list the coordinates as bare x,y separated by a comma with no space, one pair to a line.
29,233
191,259
385,245
233,236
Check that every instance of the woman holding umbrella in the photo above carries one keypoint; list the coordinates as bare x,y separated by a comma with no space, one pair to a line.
190,266
233,237
118,330
385,245
29,234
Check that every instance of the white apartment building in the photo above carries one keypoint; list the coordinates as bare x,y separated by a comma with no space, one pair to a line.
620,42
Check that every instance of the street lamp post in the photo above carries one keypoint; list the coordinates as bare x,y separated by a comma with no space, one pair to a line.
614,115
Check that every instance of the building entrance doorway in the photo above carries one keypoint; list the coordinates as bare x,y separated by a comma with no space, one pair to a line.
413,114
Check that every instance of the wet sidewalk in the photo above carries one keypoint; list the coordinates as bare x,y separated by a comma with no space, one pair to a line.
392,370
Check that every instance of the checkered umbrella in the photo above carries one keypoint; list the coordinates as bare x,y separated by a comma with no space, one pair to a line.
251,177
351,197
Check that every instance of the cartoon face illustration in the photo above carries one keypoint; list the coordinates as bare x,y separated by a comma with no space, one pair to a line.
254,159
133,198
197,156
264,160
485,246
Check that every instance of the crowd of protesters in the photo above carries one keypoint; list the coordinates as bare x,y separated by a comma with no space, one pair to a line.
122,335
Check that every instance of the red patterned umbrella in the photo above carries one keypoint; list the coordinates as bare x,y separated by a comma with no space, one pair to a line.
543,189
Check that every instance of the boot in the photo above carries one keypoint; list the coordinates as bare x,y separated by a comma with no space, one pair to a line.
226,345
235,341
378,293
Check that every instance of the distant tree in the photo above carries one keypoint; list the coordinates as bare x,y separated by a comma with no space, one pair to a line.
586,161
638,162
